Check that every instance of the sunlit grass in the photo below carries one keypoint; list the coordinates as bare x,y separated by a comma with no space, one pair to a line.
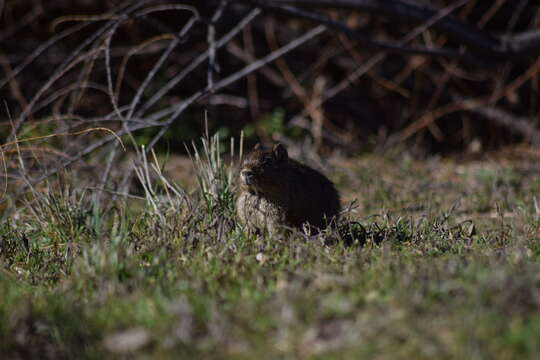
172,275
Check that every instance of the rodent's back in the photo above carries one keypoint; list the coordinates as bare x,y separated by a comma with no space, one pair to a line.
312,195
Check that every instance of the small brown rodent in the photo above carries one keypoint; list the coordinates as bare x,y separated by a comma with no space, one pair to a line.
276,190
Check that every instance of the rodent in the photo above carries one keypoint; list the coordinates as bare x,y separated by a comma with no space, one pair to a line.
277,191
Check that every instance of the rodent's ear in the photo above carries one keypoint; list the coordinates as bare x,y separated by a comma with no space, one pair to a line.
280,152
257,146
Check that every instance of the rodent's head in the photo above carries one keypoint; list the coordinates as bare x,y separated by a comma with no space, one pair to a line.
262,169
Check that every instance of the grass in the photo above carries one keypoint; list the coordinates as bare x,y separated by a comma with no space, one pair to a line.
449,269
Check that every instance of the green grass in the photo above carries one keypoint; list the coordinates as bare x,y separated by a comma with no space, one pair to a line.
450,270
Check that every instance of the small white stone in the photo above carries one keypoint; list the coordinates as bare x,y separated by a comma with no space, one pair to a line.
261,258
127,341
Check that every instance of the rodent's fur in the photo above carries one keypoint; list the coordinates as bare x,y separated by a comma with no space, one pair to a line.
276,190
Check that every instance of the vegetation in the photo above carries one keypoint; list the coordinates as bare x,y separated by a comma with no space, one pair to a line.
448,269
119,241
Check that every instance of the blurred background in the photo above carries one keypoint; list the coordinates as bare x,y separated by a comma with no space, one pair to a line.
329,77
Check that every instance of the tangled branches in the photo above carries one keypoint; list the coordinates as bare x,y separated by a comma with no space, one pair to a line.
345,70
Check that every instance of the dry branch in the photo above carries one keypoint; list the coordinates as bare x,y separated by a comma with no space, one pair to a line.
367,39
481,43
174,111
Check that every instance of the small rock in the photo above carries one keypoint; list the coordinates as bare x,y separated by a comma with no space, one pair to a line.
127,341
261,258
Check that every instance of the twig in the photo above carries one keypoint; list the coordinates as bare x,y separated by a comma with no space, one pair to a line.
108,70
178,109
517,125
116,193
366,39
196,62
83,78
110,160
247,58
68,63
211,39
164,56
315,112
71,61
174,111
253,93
82,18
21,23
131,52
13,84
490,13
39,50
34,138
469,104
360,71
518,46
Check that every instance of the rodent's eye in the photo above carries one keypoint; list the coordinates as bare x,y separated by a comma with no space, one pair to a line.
266,160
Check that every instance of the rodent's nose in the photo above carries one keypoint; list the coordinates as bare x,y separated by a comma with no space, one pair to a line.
247,173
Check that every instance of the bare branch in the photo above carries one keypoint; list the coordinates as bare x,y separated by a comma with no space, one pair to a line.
480,43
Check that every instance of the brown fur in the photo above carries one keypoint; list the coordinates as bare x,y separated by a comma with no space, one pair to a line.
278,191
